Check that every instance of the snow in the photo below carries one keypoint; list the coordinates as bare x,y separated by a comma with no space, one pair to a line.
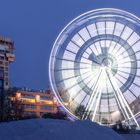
48,129
131,136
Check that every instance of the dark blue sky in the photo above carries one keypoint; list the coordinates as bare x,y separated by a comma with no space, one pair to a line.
34,26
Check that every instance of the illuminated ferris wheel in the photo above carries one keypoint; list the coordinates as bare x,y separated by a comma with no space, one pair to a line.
94,67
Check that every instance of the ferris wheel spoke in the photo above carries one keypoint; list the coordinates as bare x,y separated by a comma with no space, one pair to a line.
98,33
75,43
76,53
94,59
105,32
121,54
113,33
128,67
125,86
136,85
82,80
117,49
119,39
88,32
128,73
87,53
75,76
129,61
122,76
73,61
90,50
126,79
70,51
128,48
86,58
81,37
124,27
133,94
96,49
120,81
56,70
124,43
132,54
82,89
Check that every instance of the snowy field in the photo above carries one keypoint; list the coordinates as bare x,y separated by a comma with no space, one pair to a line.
131,136
47,129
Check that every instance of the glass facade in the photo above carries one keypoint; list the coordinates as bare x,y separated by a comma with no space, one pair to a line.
95,66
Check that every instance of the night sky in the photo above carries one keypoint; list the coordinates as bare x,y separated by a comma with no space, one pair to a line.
34,25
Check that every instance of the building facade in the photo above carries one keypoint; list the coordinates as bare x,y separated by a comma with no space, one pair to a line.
6,57
35,104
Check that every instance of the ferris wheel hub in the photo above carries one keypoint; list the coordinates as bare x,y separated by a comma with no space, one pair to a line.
107,62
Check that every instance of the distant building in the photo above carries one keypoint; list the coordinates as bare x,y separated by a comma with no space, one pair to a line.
35,103
6,57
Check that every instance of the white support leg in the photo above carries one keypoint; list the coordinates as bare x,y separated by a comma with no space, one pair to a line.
93,95
124,102
129,109
119,101
97,104
93,100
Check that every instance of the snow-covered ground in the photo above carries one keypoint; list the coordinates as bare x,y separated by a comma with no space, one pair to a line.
47,129
131,136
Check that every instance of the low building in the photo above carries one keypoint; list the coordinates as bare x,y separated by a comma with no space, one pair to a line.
35,103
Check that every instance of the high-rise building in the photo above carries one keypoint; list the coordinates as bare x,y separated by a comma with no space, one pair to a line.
6,57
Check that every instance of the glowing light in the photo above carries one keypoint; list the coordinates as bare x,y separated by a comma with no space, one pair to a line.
18,95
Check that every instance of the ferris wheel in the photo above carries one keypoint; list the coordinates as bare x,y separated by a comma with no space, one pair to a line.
94,66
